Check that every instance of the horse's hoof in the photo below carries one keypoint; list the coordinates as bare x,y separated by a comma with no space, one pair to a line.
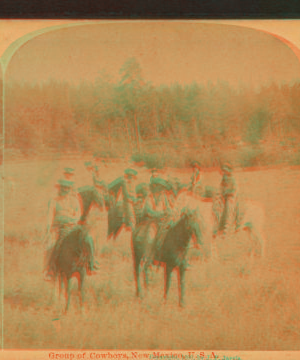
139,295
182,304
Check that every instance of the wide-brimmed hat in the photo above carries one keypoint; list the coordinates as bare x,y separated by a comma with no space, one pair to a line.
130,172
69,171
65,183
227,167
88,164
158,182
100,183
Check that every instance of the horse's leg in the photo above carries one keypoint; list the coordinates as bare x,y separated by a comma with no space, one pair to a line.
68,294
181,285
146,276
168,273
60,285
137,261
148,256
81,287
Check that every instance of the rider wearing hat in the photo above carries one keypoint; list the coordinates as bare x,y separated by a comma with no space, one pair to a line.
63,214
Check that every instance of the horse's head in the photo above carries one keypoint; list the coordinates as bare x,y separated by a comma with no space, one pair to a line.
192,222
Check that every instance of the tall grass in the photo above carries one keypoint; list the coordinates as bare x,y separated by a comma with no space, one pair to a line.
230,305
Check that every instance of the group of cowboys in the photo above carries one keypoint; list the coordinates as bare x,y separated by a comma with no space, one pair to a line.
154,202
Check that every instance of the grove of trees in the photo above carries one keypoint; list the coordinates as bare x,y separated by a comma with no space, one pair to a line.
173,123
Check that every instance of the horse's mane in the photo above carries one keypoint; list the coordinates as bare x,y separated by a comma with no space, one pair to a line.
184,216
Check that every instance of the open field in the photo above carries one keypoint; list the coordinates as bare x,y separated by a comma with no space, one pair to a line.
229,306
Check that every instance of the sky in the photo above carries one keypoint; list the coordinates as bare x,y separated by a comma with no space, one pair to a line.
168,51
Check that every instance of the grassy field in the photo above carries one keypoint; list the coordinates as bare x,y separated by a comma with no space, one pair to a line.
229,305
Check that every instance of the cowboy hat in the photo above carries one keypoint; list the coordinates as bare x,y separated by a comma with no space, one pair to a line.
65,183
130,172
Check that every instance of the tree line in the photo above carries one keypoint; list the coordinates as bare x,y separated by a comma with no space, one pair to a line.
166,123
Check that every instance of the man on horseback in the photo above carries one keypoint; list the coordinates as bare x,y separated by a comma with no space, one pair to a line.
159,212
229,212
63,215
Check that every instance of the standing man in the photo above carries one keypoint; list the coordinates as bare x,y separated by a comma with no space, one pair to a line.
196,179
229,194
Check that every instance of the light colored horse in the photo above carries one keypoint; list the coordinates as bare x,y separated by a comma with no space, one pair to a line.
252,220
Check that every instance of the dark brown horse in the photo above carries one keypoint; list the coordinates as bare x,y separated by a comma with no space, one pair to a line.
72,260
173,252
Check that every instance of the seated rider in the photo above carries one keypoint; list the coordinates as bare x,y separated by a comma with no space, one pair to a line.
159,212
63,215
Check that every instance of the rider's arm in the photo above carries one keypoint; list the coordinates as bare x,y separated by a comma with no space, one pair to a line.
51,214
150,212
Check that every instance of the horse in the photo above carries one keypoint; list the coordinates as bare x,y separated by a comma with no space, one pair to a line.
71,248
72,260
251,219
172,253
